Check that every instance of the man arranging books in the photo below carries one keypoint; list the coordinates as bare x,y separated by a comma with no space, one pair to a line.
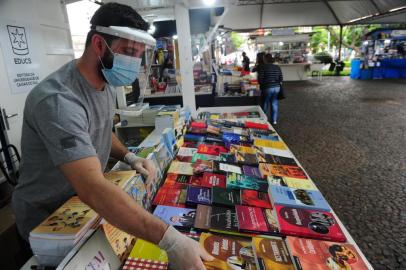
67,138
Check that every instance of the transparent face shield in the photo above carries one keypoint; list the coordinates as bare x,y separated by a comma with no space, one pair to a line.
129,62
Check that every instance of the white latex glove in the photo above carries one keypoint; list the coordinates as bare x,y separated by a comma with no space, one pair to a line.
143,166
183,252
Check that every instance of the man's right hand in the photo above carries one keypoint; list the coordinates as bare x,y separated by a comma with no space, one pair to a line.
183,252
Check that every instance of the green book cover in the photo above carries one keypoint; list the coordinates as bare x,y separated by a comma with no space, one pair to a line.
198,156
222,196
240,181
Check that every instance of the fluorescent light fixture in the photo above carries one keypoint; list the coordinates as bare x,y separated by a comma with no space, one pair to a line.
387,41
365,42
151,29
396,9
175,36
208,2
280,43
361,18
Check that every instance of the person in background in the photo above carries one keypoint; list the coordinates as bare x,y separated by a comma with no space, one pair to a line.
67,139
245,62
270,79
258,65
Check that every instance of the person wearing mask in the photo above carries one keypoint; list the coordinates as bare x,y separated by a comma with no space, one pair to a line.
67,138
270,79
245,62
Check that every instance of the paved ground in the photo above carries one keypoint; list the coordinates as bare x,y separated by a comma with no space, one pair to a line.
351,138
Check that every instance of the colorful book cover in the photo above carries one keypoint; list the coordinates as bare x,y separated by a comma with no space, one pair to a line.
224,167
240,148
198,124
252,219
189,144
246,158
232,138
312,254
292,182
227,197
230,253
273,159
288,171
255,198
145,264
184,159
187,151
197,130
213,180
309,199
119,240
274,151
196,180
271,144
213,130
137,190
216,217
163,156
120,178
175,180
141,151
249,124
214,140
194,137
68,220
170,196
265,169
271,253
240,181
201,166
197,157
227,158
309,223
179,167
214,150
176,216
198,195
251,171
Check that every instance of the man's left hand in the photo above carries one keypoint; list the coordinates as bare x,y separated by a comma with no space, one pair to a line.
143,166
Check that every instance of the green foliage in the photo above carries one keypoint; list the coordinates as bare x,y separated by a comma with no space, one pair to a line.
237,40
323,57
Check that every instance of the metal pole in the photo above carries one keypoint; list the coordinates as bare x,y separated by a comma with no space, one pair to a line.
339,50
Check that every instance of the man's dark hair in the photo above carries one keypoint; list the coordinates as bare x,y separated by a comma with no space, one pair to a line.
269,58
115,14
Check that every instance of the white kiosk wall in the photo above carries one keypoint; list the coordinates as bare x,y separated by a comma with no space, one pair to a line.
43,26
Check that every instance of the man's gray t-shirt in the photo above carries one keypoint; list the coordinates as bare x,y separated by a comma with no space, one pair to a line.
65,119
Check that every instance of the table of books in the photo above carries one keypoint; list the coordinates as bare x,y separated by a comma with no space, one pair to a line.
229,181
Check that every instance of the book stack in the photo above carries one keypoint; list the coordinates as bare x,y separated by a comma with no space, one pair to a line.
236,181
52,240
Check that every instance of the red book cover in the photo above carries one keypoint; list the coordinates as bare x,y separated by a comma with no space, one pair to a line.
255,198
214,150
170,196
249,124
309,223
251,219
213,180
288,171
198,124
196,180
324,255
176,180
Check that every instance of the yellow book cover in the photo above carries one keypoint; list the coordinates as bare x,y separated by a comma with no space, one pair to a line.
271,144
174,114
68,220
244,149
271,253
148,251
265,169
179,167
300,183
229,252
120,178
120,241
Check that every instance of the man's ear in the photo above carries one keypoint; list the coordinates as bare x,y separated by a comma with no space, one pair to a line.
98,45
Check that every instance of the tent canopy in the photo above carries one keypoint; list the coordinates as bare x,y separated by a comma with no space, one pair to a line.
254,14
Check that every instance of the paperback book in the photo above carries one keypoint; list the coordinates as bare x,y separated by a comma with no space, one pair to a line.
292,182
225,167
197,157
240,181
310,254
254,220
214,150
227,158
309,223
146,255
246,158
225,197
198,195
271,253
187,151
251,171
175,180
291,197
240,148
288,171
176,216
273,159
215,217
271,144
170,196
213,180
178,167
201,166
255,198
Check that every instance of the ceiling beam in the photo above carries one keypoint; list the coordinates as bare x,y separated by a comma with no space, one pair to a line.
332,11
261,14
376,6
381,15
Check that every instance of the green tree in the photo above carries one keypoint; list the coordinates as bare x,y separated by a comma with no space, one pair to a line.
237,40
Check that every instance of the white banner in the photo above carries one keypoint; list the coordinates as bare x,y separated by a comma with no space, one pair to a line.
20,45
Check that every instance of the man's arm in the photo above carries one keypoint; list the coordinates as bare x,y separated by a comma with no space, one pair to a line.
110,201
120,210
118,150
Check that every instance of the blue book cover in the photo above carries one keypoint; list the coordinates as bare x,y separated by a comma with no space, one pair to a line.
176,216
194,137
293,197
198,195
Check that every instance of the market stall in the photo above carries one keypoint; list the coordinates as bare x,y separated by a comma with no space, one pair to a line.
383,55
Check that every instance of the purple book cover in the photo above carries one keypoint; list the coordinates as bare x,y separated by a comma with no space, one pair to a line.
198,195
251,171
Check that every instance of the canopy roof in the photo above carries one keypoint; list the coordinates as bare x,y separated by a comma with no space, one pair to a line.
253,14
